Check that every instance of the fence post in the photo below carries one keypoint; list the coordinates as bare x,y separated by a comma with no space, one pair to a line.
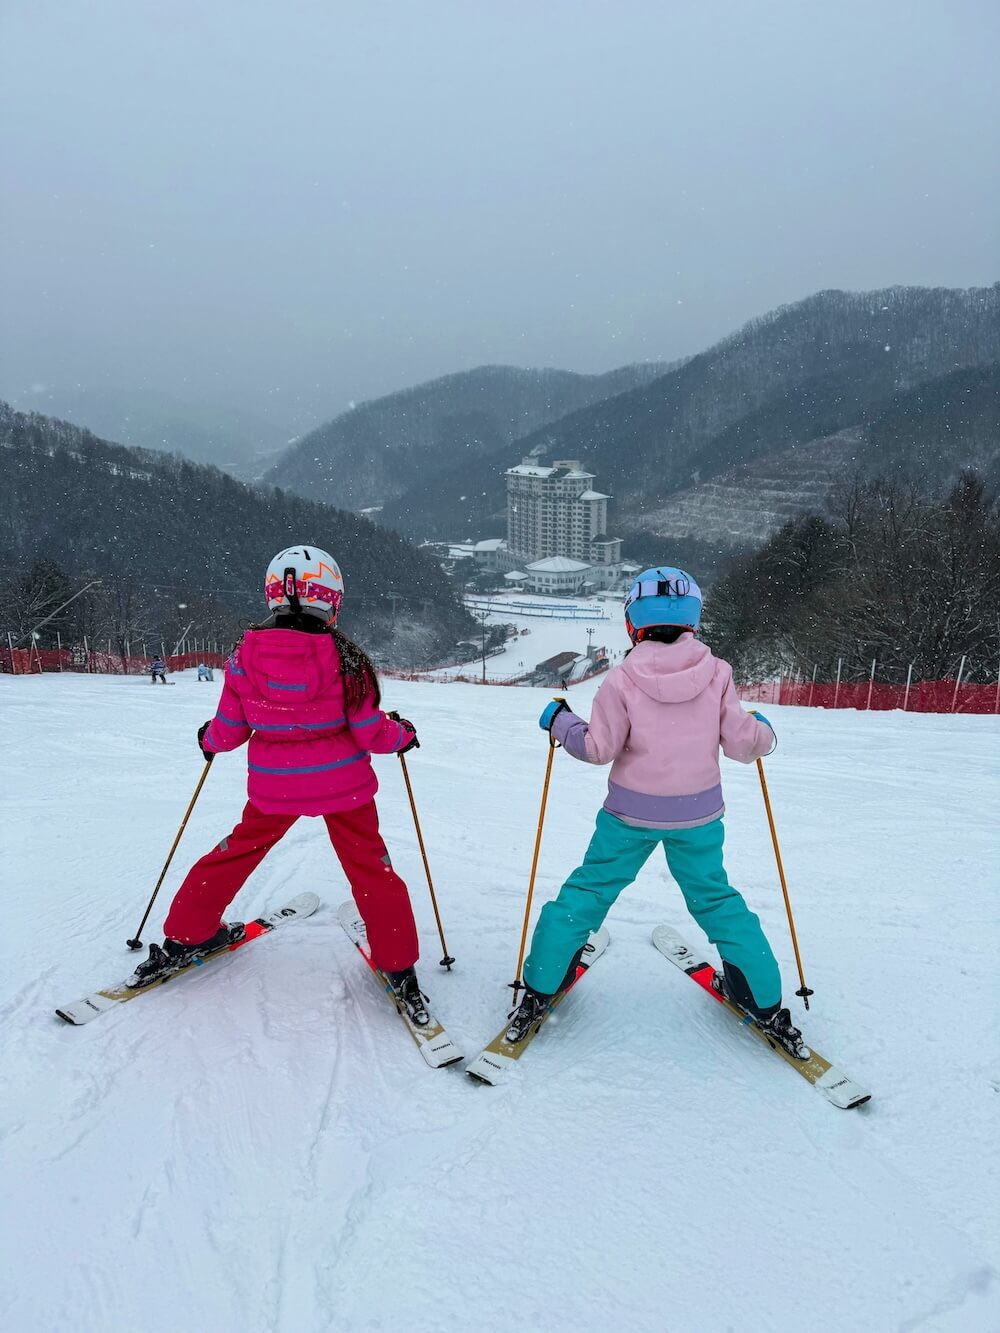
86,654
871,682
59,648
909,677
13,664
996,701
812,686
958,682
836,692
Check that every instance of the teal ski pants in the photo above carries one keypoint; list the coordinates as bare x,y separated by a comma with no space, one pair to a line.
616,854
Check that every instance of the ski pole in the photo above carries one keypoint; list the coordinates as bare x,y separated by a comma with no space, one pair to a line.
517,983
136,943
447,960
803,992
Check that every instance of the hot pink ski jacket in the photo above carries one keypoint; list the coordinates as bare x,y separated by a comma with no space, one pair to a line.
308,752
659,720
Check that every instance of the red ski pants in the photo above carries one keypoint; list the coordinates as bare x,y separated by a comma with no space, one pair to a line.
213,882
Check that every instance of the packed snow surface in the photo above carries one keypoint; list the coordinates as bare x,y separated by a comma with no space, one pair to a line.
260,1147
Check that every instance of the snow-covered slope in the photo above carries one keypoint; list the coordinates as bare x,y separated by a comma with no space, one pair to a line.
260,1147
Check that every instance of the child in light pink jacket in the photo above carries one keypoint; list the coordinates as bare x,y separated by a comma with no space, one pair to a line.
660,720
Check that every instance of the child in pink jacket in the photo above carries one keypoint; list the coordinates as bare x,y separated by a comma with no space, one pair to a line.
660,720
305,701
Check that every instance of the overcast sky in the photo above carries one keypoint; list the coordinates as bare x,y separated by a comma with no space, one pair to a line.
292,204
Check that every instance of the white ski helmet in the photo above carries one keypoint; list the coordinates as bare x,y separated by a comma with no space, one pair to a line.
307,580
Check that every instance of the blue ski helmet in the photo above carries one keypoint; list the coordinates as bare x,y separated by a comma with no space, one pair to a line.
663,596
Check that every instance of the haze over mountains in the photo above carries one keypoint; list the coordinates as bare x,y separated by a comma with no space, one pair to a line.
720,448
238,441
786,402
380,449
174,541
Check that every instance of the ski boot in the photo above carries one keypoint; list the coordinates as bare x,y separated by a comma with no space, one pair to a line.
778,1029
776,1024
528,1014
408,995
172,956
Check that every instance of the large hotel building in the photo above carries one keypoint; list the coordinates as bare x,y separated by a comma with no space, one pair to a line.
557,538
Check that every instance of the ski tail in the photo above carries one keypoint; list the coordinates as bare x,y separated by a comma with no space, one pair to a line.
495,1061
434,1044
92,1006
835,1086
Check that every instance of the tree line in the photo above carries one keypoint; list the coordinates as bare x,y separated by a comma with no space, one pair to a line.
174,542
889,574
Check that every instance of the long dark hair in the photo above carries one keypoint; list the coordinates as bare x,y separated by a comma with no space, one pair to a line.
356,667
358,670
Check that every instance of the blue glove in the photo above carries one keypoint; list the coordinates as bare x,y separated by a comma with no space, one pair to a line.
549,713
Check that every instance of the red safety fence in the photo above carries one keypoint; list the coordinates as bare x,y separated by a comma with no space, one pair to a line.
31,661
925,696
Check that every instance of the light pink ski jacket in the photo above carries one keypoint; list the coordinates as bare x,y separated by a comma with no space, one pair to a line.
659,720
308,752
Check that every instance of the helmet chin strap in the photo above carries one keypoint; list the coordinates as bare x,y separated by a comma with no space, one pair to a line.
290,590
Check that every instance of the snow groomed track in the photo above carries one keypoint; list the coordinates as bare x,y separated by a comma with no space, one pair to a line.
261,1143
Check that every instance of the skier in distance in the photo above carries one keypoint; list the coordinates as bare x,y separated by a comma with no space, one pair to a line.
307,700
660,718
158,671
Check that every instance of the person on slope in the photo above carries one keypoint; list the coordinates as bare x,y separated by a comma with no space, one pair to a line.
660,718
307,700
158,671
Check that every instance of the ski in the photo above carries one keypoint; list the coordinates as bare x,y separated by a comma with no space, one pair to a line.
91,1006
432,1041
834,1085
495,1061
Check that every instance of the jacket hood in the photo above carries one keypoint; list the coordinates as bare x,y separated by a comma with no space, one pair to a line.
671,673
288,666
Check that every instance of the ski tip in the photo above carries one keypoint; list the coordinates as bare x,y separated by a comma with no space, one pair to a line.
66,1018
302,905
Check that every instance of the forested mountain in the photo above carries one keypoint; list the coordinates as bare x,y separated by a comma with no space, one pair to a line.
174,541
890,573
377,450
237,441
822,370
928,434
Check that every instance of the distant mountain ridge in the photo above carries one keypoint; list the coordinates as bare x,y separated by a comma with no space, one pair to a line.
801,374
161,531
237,441
378,449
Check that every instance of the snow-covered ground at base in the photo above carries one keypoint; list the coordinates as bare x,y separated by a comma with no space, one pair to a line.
260,1148
545,638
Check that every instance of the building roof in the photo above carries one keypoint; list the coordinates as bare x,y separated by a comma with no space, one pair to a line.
516,576
490,544
592,495
556,663
557,564
530,470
